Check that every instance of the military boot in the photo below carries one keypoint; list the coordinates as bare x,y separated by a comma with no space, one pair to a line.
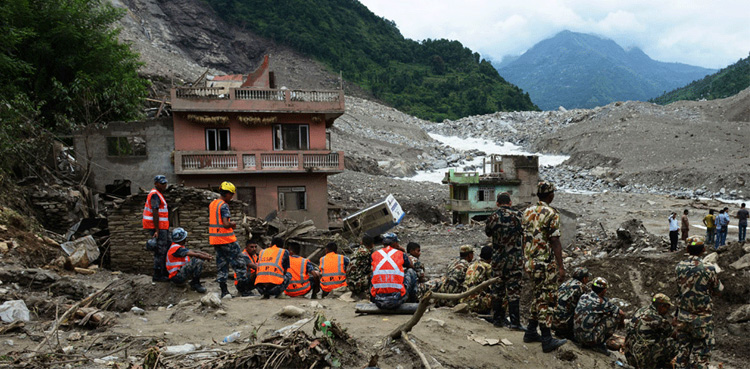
498,314
196,285
531,334
549,344
224,289
514,311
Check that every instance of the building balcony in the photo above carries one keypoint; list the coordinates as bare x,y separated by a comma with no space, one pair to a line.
228,162
217,99
468,205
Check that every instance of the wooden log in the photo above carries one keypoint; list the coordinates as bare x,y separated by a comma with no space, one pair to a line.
371,308
416,349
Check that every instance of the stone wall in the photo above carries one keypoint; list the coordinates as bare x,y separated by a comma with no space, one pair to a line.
58,207
188,208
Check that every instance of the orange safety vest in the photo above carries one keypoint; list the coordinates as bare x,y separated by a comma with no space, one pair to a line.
217,234
148,214
174,263
333,276
387,271
300,283
269,268
250,270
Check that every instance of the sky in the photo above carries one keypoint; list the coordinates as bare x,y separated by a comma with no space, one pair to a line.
711,34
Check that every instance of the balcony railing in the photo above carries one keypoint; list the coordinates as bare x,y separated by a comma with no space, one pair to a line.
212,99
216,162
467,205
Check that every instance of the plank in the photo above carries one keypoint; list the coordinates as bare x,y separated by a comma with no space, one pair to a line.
371,308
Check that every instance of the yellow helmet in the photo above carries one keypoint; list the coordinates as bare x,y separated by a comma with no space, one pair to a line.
227,186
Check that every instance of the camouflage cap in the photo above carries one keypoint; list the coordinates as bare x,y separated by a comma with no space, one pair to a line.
580,273
694,241
160,179
465,248
544,188
661,298
600,282
389,238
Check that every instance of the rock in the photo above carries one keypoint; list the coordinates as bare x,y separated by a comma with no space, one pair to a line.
4,247
711,258
738,329
461,308
746,248
221,312
74,336
742,263
346,297
740,315
292,311
177,350
137,311
211,300
436,321
14,310
67,350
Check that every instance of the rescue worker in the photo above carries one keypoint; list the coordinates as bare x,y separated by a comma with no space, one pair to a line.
333,269
221,237
360,268
156,226
568,295
414,251
505,228
478,272
697,283
543,254
305,276
649,343
273,270
393,280
453,281
596,318
184,264
250,256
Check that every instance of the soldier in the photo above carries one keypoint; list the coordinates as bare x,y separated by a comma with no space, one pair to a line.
453,281
541,226
596,318
697,283
221,237
156,225
393,279
506,230
478,272
414,251
358,273
649,343
567,299
183,264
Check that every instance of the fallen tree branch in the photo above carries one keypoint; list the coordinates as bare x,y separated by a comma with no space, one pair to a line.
414,347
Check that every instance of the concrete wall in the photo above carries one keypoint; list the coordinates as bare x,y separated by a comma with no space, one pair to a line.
91,146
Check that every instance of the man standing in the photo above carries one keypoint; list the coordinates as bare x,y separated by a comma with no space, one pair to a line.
541,224
596,318
742,215
649,342
505,228
393,280
674,230
710,222
697,283
221,237
358,273
567,299
273,270
478,272
722,227
333,269
305,277
685,228
183,264
156,226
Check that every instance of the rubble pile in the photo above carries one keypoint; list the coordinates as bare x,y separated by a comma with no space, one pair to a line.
58,207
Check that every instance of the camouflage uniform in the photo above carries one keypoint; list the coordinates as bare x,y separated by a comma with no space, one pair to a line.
419,270
568,296
478,272
540,223
454,280
226,255
191,270
504,226
648,344
695,330
358,274
595,319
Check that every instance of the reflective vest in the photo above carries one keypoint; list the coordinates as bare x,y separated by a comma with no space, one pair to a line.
300,283
250,270
387,271
217,234
332,267
148,214
173,262
269,268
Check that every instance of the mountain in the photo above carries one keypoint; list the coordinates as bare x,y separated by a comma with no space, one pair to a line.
724,83
577,70
431,79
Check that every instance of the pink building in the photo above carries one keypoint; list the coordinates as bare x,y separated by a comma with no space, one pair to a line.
271,143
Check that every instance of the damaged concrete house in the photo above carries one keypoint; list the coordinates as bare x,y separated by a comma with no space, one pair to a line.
272,143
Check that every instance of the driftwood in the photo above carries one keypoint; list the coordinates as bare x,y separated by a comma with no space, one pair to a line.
405,338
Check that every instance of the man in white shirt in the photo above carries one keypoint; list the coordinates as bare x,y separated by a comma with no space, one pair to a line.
674,230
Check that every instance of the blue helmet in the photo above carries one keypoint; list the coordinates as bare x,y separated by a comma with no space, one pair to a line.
179,234
389,238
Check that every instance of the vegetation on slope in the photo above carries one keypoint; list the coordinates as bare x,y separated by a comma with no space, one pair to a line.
724,83
432,79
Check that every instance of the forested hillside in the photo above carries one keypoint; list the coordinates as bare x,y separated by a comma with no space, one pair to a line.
432,79
724,83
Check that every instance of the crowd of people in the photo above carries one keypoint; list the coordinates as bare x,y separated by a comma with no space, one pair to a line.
717,227
575,308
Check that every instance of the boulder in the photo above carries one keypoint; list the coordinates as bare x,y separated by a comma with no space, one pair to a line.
740,315
211,300
742,263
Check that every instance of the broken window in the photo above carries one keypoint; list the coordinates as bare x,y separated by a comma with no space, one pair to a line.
292,198
460,193
486,194
217,139
291,137
126,146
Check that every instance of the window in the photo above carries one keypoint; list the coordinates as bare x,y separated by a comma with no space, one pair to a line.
291,137
217,139
460,193
292,198
486,194
328,140
126,146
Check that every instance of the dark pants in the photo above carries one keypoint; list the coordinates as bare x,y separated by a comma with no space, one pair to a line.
710,233
163,241
673,237
226,255
190,272
394,300
743,231
270,289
